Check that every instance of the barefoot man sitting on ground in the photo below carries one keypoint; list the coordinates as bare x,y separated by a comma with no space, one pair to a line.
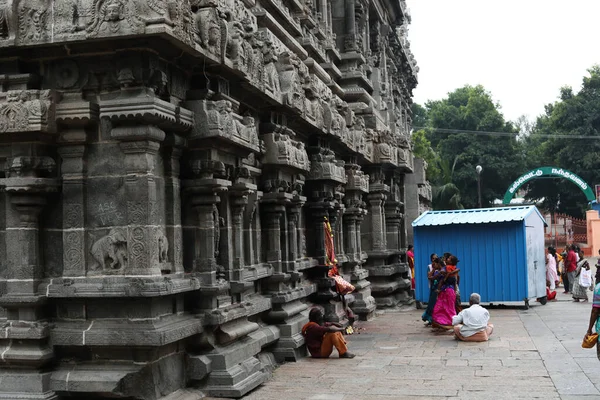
471,325
322,337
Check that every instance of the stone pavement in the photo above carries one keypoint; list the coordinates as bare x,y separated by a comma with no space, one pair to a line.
532,354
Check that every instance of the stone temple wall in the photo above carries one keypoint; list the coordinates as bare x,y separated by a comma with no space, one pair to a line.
165,170
418,195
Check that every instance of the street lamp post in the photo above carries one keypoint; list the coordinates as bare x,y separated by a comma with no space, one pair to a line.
478,169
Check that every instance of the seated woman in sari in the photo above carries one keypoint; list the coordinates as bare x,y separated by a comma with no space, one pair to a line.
445,306
434,275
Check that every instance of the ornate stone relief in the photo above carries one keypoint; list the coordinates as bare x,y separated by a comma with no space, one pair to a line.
357,179
110,251
211,23
26,111
115,17
21,167
217,118
271,76
282,149
7,22
293,75
324,166
32,20
240,48
389,148
162,246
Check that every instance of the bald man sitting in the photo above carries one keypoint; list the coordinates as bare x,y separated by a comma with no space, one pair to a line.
472,324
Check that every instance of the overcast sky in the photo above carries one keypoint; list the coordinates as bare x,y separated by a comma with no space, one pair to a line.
522,51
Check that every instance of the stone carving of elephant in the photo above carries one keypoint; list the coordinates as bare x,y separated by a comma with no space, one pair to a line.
110,251
163,248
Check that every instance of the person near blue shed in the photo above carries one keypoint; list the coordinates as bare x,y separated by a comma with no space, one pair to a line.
473,324
434,275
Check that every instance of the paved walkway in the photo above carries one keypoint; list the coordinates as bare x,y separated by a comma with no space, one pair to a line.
532,354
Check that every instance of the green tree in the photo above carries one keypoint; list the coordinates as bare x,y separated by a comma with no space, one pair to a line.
446,195
422,149
567,135
419,116
453,123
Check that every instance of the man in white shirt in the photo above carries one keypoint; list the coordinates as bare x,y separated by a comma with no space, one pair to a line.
472,324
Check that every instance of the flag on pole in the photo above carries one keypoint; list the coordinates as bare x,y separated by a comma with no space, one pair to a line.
343,287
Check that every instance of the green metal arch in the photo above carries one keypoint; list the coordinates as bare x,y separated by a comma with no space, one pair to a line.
548,171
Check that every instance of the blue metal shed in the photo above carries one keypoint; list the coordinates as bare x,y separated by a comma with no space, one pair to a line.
501,251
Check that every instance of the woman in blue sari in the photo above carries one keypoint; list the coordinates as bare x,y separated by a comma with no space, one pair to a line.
434,277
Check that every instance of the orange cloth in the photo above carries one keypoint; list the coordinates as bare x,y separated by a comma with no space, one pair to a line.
482,336
308,325
331,340
329,247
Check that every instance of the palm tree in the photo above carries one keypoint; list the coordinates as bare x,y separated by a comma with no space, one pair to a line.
446,195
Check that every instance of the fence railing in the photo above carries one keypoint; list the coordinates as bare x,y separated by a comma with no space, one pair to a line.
564,229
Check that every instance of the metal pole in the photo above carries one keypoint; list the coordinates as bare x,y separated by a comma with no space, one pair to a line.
479,189
478,169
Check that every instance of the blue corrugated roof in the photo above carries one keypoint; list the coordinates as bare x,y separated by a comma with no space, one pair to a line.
475,216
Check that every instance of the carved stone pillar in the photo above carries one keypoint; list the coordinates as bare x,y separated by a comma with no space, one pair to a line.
326,174
27,332
239,203
24,342
240,193
141,146
27,127
393,223
173,229
140,136
357,186
73,117
378,237
350,42
273,211
204,200
293,218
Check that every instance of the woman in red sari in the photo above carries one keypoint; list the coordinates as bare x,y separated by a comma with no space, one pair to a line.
445,306
410,256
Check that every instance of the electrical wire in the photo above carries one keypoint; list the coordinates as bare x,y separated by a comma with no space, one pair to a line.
507,134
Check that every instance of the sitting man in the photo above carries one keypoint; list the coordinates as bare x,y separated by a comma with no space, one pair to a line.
471,325
322,337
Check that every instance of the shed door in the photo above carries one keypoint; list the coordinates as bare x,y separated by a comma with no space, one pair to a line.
536,265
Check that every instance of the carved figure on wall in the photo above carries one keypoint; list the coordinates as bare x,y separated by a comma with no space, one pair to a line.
217,229
270,71
7,28
212,27
18,108
246,129
239,46
163,247
290,80
234,50
110,251
115,17
33,20
359,134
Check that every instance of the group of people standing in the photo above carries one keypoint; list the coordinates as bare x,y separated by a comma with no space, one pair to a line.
444,294
574,271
